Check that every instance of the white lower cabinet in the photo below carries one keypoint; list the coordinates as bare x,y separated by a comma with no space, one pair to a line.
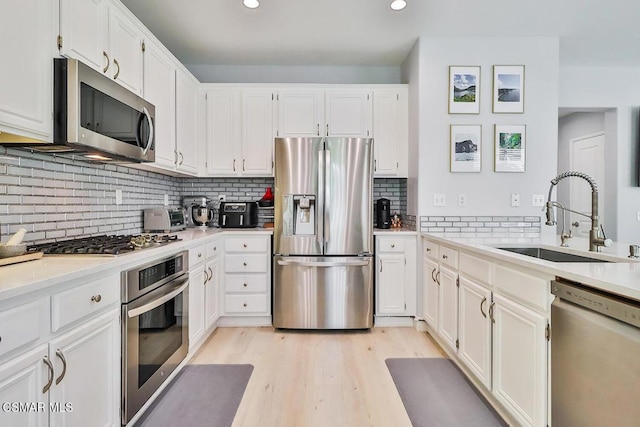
448,306
212,285
395,275
204,290
73,380
430,293
197,282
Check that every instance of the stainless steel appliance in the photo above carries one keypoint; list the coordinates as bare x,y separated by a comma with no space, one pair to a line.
323,233
103,245
155,327
163,220
595,363
199,211
238,214
95,116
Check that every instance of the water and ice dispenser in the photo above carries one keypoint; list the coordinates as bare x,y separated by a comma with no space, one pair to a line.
299,215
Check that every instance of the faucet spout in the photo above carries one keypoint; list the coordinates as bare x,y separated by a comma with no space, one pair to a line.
595,239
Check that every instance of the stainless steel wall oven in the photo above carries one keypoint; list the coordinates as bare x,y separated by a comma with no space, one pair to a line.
155,327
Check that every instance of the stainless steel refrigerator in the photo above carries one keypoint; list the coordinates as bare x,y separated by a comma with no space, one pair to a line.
323,233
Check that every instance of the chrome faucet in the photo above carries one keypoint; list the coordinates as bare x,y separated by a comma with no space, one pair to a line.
596,239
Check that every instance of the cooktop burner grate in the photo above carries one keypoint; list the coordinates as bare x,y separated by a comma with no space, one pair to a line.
103,245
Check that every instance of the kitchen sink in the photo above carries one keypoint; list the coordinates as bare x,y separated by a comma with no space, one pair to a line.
550,255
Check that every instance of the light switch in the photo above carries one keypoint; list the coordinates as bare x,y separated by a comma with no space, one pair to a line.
439,199
537,200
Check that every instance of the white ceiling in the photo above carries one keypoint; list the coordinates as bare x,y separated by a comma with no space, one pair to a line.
368,32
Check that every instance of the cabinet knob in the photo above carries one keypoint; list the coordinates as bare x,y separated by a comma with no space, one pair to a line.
444,257
96,298
199,255
244,245
215,248
244,284
393,245
244,305
244,263
428,249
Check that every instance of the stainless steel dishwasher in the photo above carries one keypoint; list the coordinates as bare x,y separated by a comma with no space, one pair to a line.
595,358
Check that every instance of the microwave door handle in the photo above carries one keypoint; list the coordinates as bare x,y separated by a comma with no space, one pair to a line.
158,302
150,141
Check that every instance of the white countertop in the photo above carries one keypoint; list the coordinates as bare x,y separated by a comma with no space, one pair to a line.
391,231
621,276
31,276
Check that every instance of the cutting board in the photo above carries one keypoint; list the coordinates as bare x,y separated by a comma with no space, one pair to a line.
20,258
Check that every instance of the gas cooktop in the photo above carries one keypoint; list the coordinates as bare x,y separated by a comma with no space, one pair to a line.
104,245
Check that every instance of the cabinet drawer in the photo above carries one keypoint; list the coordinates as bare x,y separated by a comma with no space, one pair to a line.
214,248
197,255
390,245
247,244
78,302
449,257
431,250
19,326
534,292
475,268
246,283
245,303
245,264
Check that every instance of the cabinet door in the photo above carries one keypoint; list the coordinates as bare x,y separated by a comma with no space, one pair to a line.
448,306
391,284
257,133
390,130
300,113
26,75
212,292
21,381
223,132
519,361
84,29
187,122
430,293
87,367
475,329
160,90
348,113
197,283
125,49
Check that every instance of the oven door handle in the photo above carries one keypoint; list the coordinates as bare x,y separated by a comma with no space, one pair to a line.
182,285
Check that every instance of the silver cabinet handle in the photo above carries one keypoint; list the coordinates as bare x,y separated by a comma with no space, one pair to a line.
175,157
438,278
380,266
106,67
115,76
493,320
96,298
375,165
327,129
318,129
47,386
481,305
243,165
432,274
181,158
234,165
181,286
360,263
210,273
64,366
206,278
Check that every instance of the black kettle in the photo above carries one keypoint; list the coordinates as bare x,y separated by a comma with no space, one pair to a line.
383,213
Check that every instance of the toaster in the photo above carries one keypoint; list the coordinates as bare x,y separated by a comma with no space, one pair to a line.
238,214
163,220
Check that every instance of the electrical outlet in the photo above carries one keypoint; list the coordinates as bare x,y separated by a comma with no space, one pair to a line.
118,196
166,200
537,200
462,200
222,198
439,200
515,200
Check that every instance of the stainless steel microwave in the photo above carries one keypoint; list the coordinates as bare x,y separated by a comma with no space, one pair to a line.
95,116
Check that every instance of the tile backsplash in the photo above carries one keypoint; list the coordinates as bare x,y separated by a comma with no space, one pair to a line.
468,226
56,197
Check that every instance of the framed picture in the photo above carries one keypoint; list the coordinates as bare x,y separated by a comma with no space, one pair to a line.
510,148
464,90
466,148
508,88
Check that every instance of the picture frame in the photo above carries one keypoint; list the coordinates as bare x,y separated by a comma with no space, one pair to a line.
508,88
464,89
510,148
466,148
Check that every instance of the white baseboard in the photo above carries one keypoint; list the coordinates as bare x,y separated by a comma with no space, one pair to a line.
239,321
385,321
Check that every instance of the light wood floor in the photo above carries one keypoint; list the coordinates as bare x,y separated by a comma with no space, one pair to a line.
318,378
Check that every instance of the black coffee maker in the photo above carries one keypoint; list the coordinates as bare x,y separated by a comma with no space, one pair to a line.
383,213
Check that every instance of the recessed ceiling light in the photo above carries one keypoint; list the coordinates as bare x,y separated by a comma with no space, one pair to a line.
398,4
251,4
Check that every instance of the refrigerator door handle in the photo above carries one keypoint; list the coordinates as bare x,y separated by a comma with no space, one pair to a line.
320,200
327,198
358,263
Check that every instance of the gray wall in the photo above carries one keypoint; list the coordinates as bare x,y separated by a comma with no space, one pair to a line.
56,197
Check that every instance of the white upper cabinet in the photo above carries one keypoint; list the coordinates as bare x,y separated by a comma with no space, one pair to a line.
390,131
300,112
160,90
26,74
348,113
187,143
240,132
98,33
